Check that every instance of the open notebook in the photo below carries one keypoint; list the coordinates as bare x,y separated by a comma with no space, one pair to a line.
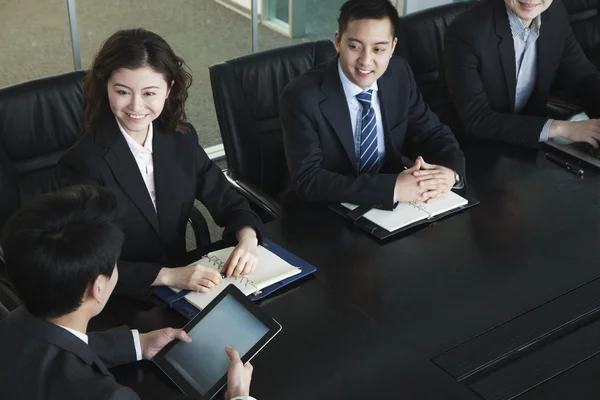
271,269
409,213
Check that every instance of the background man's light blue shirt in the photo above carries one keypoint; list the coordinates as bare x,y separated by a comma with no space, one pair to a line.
524,40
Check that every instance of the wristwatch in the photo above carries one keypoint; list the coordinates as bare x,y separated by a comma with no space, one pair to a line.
457,181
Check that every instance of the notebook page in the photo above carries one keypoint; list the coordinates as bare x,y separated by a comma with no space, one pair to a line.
271,269
408,213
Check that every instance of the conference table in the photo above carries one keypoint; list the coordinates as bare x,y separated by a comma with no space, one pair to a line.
500,301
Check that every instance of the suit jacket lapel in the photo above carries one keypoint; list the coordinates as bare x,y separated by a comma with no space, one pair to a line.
386,98
162,152
126,171
506,48
57,336
335,109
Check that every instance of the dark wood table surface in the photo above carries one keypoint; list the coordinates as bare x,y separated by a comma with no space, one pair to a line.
498,302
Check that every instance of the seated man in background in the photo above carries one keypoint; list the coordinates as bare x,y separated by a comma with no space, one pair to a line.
61,252
501,59
346,123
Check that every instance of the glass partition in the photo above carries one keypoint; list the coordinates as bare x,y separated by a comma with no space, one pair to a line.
279,9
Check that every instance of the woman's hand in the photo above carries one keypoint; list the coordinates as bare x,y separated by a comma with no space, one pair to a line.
244,258
195,277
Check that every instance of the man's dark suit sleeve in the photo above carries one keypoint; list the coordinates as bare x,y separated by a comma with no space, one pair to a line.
461,62
426,135
114,347
304,157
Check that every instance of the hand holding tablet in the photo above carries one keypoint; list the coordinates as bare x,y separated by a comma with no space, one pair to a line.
238,376
199,368
153,342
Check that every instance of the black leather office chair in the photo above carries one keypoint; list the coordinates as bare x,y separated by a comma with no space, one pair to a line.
246,92
421,43
39,121
585,22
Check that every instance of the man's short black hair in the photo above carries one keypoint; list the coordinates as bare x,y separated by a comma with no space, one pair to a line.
59,243
353,10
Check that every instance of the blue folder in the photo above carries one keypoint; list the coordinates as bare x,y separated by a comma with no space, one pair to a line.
177,301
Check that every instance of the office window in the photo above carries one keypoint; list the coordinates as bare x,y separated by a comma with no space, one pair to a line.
279,10
34,40
410,6
304,20
308,20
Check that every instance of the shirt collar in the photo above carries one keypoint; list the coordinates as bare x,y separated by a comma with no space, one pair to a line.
131,141
518,29
80,335
350,89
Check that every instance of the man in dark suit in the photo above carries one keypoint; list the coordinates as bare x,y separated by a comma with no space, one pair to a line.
347,123
61,252
501,60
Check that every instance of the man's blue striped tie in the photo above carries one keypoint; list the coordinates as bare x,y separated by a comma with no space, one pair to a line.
369,150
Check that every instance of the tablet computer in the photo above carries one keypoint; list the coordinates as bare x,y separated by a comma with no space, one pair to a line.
200,368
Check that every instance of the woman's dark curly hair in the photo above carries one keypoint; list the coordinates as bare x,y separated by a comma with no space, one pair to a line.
132,49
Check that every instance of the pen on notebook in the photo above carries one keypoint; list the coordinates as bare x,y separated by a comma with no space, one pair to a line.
564,163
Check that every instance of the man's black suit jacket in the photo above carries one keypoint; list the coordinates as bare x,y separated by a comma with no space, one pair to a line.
480,72
43,361
182,172
319,142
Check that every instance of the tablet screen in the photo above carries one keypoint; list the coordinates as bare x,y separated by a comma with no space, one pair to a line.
203,362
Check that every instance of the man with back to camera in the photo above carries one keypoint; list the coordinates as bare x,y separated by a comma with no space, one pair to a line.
501,58
346,123
61,251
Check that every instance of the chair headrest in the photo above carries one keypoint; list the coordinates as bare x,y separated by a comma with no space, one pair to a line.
39,120
261,77
421,38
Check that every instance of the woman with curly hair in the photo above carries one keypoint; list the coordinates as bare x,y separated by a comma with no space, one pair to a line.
137,142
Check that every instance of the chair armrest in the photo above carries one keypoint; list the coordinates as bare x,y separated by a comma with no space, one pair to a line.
3,312
200,228
8,295
257,196
2,261
561,106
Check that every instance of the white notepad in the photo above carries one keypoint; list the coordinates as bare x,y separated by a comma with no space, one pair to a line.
270,269
408,213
